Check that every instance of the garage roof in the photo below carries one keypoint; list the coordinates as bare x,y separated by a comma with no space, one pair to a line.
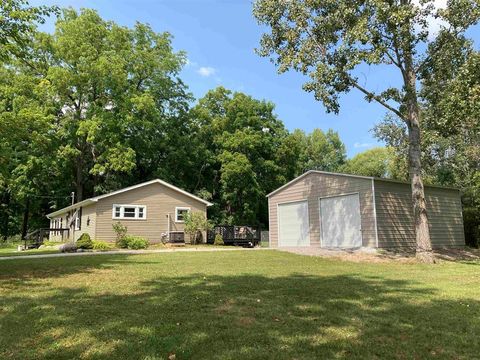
351,176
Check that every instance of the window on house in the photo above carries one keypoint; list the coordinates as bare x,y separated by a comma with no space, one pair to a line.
129,211
134,212
78,219
180,213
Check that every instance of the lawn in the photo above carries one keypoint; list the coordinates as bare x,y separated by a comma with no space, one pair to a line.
230,305
12,251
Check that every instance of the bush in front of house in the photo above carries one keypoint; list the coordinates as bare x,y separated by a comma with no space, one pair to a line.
195,223
101,245
84,242
135,242
218,240
120,234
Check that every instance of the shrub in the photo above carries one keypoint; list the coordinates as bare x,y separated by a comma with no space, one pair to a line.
195,223
84,242
136,242
218,240
101,245
120,234
68,247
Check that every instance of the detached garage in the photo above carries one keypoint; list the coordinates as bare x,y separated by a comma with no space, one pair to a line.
332,210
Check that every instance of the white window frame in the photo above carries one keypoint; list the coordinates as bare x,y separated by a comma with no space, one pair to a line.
181,208
122,209
78,220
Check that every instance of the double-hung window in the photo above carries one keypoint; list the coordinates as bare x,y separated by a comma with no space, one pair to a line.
78,219
180,214
134,212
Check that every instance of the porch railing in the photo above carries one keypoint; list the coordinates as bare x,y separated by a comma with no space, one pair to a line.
36,238
236,234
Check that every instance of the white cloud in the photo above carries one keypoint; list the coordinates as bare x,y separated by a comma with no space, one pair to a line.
358,145
206,71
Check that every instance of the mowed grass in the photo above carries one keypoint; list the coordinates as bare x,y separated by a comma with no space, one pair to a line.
12,251
230,305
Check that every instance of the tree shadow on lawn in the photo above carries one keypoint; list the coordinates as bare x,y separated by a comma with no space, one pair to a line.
245,316
26,272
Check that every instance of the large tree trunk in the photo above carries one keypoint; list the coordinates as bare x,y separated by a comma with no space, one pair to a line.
6,201
79,179
422,232
26,213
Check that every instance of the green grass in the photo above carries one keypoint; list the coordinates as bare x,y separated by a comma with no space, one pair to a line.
231,305
12,251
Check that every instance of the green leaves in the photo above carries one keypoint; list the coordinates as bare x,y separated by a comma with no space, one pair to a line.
328,40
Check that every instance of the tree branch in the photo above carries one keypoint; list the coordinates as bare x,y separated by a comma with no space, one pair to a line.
376,98
355,84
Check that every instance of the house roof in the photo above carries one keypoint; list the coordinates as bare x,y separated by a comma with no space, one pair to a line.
96,198
351,176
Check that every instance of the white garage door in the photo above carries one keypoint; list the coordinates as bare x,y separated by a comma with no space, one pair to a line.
293,224
340,219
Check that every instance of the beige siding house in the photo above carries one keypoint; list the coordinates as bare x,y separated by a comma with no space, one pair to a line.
332,210
153,210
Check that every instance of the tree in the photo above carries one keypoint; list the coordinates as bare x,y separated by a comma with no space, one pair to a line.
324,151
329,40
195,223
238,137
26,164
18,22
116,94
92,107
450,128
379,162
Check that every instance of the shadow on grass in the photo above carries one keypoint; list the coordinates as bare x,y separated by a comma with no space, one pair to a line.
245,316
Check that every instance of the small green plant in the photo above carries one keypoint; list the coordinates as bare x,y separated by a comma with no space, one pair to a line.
136,242
120,234
218,240
102,245
84,242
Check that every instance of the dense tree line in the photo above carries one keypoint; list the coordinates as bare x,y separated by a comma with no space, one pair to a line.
95,106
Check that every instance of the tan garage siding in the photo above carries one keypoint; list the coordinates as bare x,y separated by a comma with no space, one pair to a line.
88,216
315,185
395,215
160,200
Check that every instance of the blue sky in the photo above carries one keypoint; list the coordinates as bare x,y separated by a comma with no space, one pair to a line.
220,36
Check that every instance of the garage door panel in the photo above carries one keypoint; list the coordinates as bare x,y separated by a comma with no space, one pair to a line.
293,224
341,221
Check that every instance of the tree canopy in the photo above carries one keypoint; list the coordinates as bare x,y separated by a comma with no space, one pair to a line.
378,162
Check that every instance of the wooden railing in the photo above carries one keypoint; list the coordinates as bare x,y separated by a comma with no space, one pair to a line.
36,238
236,234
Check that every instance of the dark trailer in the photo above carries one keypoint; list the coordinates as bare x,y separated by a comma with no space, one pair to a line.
236,235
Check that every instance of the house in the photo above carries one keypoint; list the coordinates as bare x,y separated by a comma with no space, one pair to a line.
153,209
322,209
